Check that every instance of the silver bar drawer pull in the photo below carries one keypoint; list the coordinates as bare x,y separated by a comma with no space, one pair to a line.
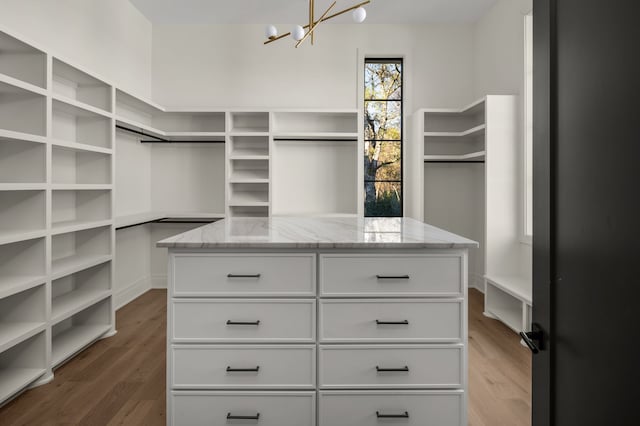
243,370
389,370
243,275
404,415
393,277
256,323
403,322
236,417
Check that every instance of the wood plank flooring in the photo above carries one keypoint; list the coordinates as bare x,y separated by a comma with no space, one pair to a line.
121,380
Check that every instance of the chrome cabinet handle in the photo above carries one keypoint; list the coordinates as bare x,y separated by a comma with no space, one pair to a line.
403,322
229,322
393,277
243,275
404,415
386,370
235,417
243,370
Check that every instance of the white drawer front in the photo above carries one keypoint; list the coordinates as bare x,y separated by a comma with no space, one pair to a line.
419,408
381,367
214,408
243,320
352,275
401,320
243,367
244,275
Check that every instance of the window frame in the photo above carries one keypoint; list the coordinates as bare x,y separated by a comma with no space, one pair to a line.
400,59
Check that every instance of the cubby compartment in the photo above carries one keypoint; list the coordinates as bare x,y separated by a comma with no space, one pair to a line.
79,207
77,166
249,194
22,364
302,184
76,251
250,122
22,161
22,265
21,316
72,83
455,121
22,111
505,307
249,171
20,61
249,147
248,211
315,123
21,212
74,124
73,293
75,333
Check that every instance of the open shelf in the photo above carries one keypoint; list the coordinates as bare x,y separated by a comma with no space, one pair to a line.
315,124
472,156
518,287
73,293
506,308
21,316
21,365
72,83
134,109
22,214
79,207
249,147
22,110
22,62
249,122
249,171
22,161
22,266
248,211
77,166
73,334
74,124
250,194
76,251
455,121
475,131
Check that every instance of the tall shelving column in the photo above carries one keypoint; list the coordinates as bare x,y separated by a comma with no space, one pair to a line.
248,166
24,281
81,215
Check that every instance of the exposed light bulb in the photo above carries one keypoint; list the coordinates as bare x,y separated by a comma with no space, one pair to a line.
271,32
297,33
359,15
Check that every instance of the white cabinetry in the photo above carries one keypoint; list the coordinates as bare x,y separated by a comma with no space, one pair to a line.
385,320
56,213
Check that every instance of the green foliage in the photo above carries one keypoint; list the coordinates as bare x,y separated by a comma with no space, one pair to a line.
386,204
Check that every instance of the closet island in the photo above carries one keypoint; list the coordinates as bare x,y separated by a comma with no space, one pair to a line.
338,321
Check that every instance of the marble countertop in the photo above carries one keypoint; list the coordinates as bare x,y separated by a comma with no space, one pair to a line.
317,233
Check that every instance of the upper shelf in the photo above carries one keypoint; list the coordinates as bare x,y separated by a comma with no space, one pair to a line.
69,82
471,157
22,62
472,132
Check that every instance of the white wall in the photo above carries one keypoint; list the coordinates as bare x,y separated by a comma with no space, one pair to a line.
498,70
228,66
110,38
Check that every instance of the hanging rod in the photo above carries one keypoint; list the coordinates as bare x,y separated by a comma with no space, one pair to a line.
453,161
158,139
314,140
170,220
141,133
184,141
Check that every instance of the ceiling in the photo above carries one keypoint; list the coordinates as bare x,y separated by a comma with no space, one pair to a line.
296,11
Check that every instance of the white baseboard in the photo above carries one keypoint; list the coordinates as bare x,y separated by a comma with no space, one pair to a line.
476,282
159,281
131,292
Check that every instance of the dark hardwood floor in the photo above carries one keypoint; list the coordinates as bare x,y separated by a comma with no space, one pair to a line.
121,380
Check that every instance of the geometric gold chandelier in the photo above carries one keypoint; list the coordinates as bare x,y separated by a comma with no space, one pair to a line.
298,32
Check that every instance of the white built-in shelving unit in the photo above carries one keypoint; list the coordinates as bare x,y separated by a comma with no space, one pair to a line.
478,200
56,212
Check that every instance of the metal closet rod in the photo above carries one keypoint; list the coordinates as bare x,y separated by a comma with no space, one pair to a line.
158,139
169,220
